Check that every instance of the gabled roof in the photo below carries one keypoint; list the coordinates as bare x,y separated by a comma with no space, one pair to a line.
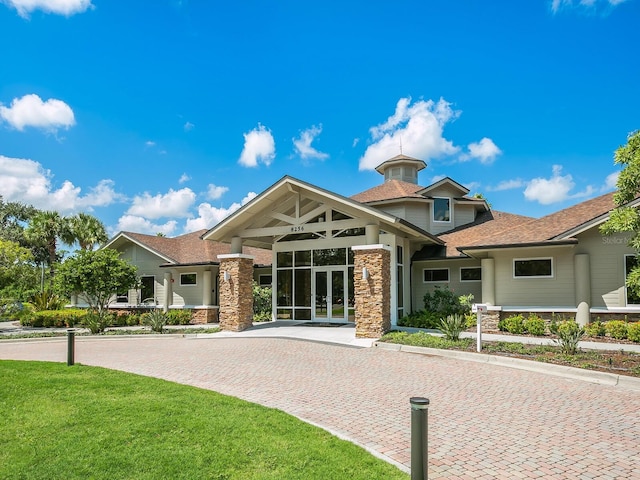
555,228
188,249
287,186
445,181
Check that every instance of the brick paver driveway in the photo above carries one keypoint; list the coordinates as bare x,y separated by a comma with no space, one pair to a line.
485,422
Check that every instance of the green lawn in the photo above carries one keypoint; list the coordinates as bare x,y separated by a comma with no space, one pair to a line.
59,422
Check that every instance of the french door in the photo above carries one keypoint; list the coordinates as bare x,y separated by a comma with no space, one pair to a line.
332,294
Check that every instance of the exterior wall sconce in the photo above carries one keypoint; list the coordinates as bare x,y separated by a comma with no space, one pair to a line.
365,273
226,276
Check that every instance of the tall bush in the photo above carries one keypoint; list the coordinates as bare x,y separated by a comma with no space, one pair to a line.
262,305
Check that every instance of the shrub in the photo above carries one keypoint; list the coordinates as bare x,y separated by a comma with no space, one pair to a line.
633,331
420,319
179,317
534,325
569,334
513,324
46,300
452,326
261,303
595,329
129,319
96,322
445,302
53,318
156,319
617,329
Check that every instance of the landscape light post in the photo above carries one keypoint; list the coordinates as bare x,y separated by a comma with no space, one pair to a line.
71,339
419,438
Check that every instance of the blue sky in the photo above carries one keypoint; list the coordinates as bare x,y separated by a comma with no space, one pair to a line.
165,115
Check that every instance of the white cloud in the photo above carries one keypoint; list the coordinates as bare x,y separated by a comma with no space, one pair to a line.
485,150
303,146
550,190
60,7
174,203
259,145
31,111
28,182
134,223
611,182
214,192
184,178
588,5
209,216
150,143
506,185
418,128
189,126
555,189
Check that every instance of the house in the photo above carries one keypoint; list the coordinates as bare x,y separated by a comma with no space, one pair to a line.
370,258
179,272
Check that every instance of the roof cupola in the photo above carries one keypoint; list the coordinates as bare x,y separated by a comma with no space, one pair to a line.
401,167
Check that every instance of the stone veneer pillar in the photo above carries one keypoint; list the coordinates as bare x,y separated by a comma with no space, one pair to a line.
582,276
236,295
372,294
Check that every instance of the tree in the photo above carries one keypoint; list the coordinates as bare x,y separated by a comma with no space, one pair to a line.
18,275
626,218
95,276
46,228
87,230
13,217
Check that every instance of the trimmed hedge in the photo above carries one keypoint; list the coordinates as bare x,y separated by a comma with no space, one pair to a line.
54,318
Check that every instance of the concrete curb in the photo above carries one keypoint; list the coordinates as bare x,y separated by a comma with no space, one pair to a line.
600,378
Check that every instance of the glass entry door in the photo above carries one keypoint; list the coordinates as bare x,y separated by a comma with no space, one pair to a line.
331,300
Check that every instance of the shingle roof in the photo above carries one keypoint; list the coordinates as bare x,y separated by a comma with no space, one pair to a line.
389,190
487,225
191,249
553,227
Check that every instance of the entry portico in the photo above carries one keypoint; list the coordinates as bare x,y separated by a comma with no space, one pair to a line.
334,258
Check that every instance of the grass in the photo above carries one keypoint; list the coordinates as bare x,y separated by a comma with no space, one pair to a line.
619,362
59,422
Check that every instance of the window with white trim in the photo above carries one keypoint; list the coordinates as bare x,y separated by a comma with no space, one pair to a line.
441,209
533,267
187,279
434,275
470,274
265,280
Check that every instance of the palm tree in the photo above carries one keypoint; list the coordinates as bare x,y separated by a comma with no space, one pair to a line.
46,228
87,230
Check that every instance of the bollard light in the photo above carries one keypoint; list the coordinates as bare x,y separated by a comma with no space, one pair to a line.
71,339
419,438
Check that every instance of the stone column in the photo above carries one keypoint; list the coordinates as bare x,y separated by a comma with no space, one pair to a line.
373,293
168,291
582,279
488,281
235,290
206,287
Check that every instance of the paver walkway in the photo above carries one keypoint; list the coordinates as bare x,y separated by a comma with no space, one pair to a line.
485,422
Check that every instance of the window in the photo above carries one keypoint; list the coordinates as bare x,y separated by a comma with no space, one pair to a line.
532,267
470,274
630,262
435,275
188,278
441,209
265,280
122,297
